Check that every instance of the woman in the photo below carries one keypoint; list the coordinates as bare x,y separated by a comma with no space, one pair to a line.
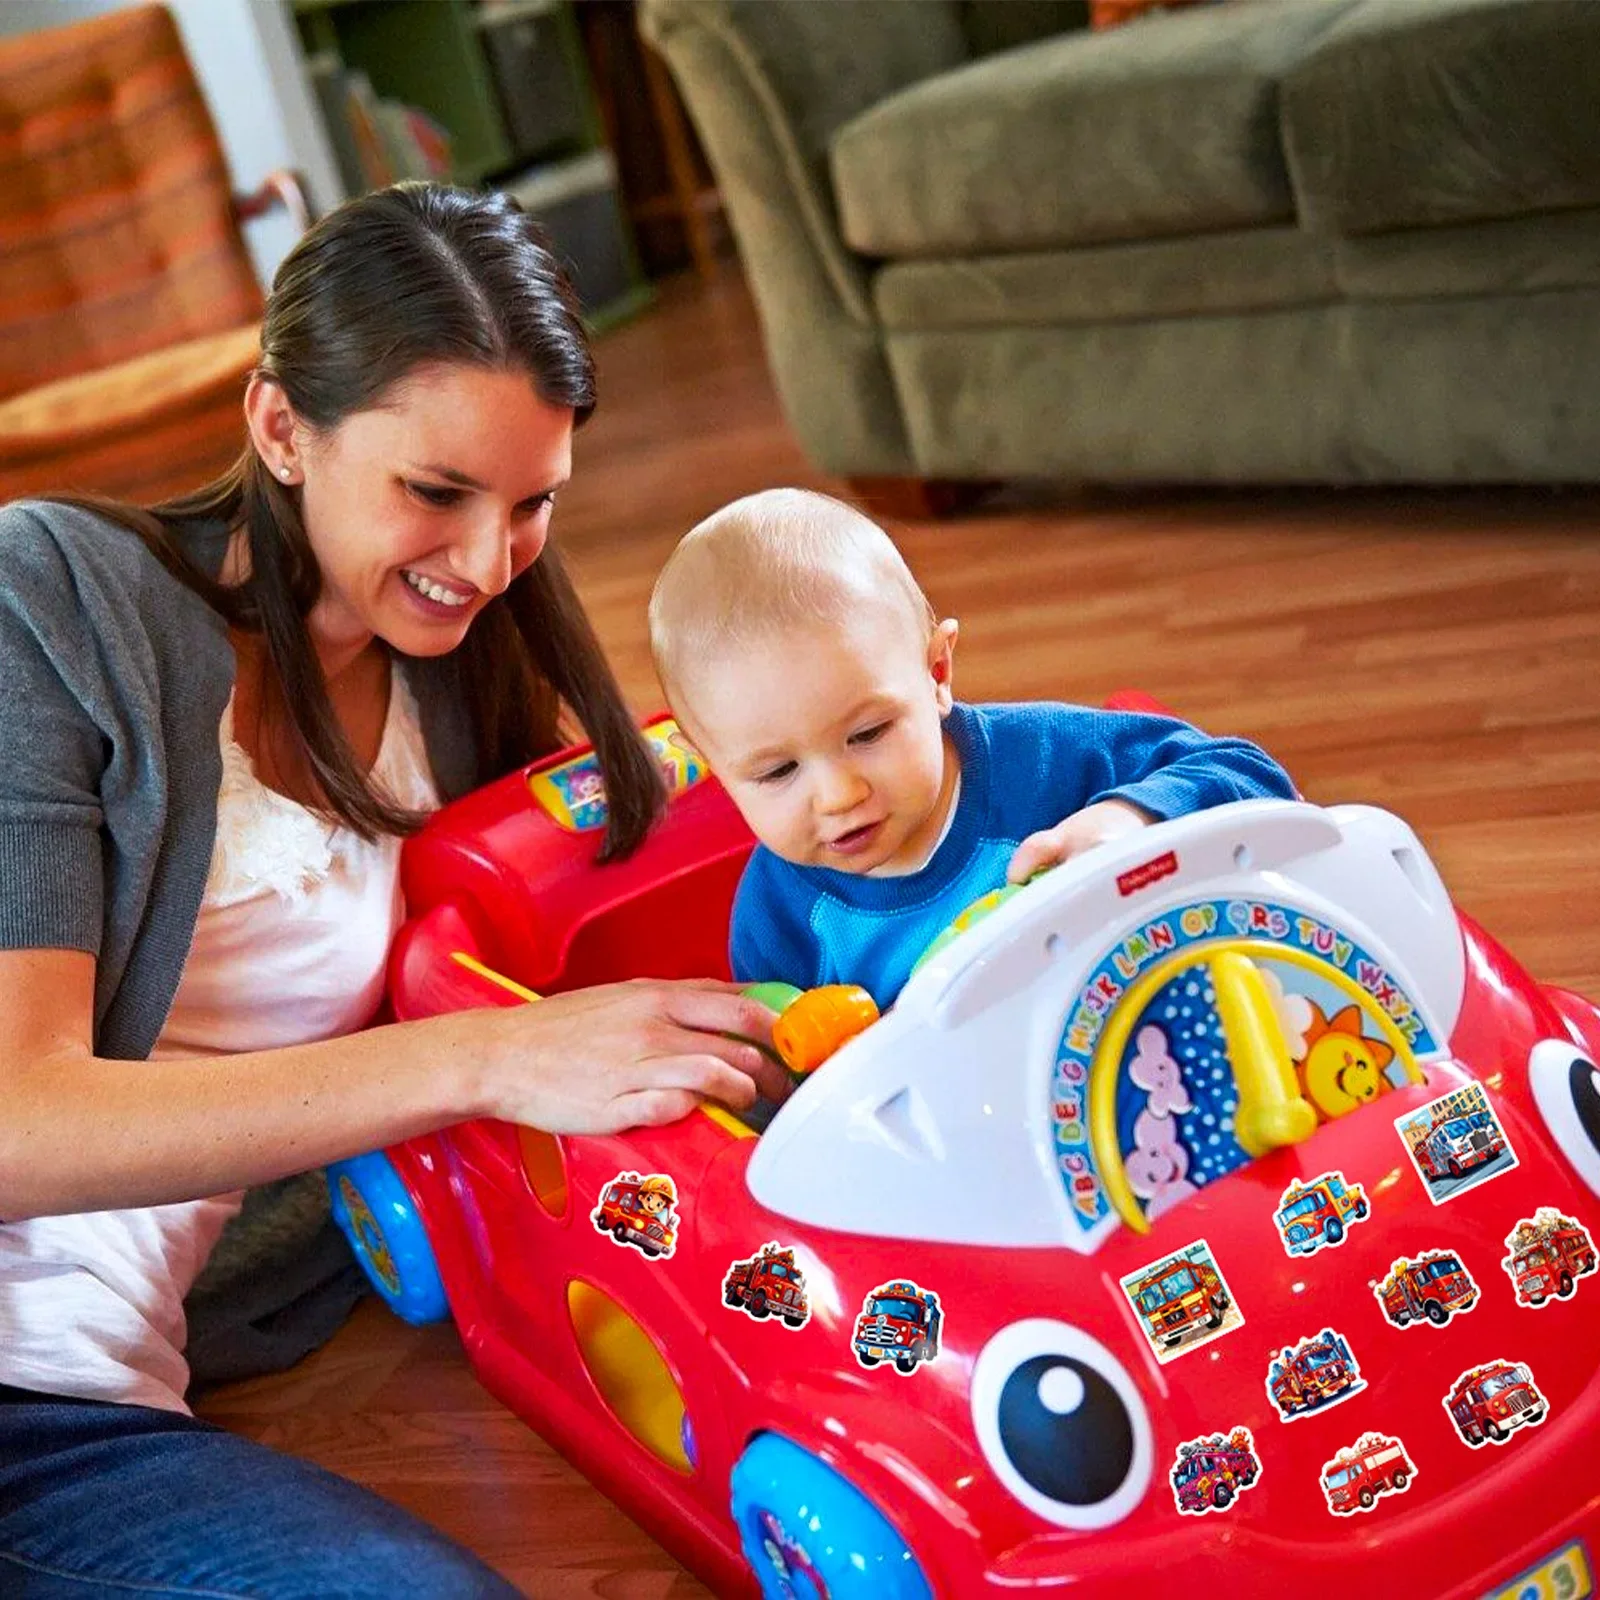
219,718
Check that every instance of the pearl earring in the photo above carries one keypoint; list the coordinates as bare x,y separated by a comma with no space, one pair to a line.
285,472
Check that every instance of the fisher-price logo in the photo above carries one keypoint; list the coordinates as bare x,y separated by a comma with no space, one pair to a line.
1146,873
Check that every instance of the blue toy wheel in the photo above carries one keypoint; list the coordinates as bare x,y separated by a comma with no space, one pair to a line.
374,1208
810,1534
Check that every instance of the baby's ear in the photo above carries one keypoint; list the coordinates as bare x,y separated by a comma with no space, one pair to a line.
941,662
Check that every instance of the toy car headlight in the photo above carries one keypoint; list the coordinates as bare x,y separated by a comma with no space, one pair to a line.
1061,1423
1566,1088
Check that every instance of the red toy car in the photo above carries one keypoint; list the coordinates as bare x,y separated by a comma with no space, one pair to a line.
1098,1084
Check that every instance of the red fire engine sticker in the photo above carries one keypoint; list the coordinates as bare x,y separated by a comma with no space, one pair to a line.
1211,1472
1455,1143
1490,1402
1430,1288
1318,1373
1362,1473
899,1327
768,1286
1318,1213
640,1211
1545,1256
1182,1301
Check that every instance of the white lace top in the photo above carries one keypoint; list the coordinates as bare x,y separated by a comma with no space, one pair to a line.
290,947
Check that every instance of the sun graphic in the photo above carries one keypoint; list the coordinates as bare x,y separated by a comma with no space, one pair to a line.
1340,1068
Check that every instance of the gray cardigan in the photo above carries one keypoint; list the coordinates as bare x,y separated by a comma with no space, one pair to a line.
113,681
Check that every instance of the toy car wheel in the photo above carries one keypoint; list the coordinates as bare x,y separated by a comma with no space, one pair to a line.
1436,1313
374,1208
1215,1319
793,1318
1221,1496
808,1532
1401,1479
1333,1230
730,1297
1222,1302
1361,1210
620,1234
1401,1318
651,1249
1494,1430
1455,1167
1564,1288
906,1363
870,1356
758,1306
1365,1497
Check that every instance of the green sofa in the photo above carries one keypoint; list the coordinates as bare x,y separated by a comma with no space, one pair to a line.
1263,241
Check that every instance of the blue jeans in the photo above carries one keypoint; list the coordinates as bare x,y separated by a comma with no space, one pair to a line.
119,1502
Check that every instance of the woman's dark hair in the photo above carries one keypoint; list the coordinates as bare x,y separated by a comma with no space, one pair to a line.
402,277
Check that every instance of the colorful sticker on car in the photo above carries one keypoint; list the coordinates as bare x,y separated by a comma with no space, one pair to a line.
1317,1213
899,1327
1362,1473
1545,1256
1490,1402
1318,1373
768,1285
1145,1103
1211,1472
640,1212
1566,1574
1427,1289
573,792
1455,1142
1182,1301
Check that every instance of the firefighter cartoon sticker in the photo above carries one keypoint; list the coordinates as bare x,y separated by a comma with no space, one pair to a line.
1455,1143
899,1325
1182,1301
1212,1471
1430,1288
1318,1373
640,1212
768,1284
1546,1254
1489,1403
1375,1465
1316,1213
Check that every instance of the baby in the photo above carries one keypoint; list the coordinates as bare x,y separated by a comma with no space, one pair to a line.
798,653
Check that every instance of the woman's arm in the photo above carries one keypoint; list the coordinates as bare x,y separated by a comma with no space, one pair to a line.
82,1133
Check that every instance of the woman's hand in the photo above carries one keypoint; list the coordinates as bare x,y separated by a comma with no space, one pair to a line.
629,1054
1106,819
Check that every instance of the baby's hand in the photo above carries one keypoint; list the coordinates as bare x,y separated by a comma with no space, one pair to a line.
1083,830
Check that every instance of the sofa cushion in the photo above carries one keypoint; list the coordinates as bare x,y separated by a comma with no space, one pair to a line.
1166,128
1419,112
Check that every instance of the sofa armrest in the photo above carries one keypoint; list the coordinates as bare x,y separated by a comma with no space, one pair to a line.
280,188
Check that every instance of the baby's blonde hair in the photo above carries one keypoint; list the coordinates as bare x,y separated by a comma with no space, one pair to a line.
771,560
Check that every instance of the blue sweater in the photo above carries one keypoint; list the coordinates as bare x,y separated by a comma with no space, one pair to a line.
1023,768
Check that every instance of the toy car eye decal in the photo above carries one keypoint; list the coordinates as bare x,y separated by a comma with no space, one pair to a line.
1456,1142
1546,1254
639,1211
1061,1424
1566,1088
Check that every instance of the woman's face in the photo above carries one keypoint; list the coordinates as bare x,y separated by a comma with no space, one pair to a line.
422,509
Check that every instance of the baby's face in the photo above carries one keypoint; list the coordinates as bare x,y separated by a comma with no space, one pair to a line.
830,739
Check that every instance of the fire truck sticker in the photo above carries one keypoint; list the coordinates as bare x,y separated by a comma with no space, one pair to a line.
1546,1254
640,1212
1430,1288
768,1284
899,1326
1318,1373
1212,1471
1488,1403
1350,1027
1375,1465
1456,1142
1182,1301
1317,1213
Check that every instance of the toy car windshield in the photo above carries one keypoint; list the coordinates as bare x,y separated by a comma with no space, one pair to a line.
1131,1027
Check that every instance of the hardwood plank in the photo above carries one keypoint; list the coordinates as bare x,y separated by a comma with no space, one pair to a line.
1436,653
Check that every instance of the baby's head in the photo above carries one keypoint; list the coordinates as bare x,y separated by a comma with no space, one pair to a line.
799,654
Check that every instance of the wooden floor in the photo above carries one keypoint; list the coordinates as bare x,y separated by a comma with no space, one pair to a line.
1438,654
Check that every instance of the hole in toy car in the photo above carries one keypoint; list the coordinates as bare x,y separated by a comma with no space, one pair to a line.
1242,857
630,1372
544,1164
